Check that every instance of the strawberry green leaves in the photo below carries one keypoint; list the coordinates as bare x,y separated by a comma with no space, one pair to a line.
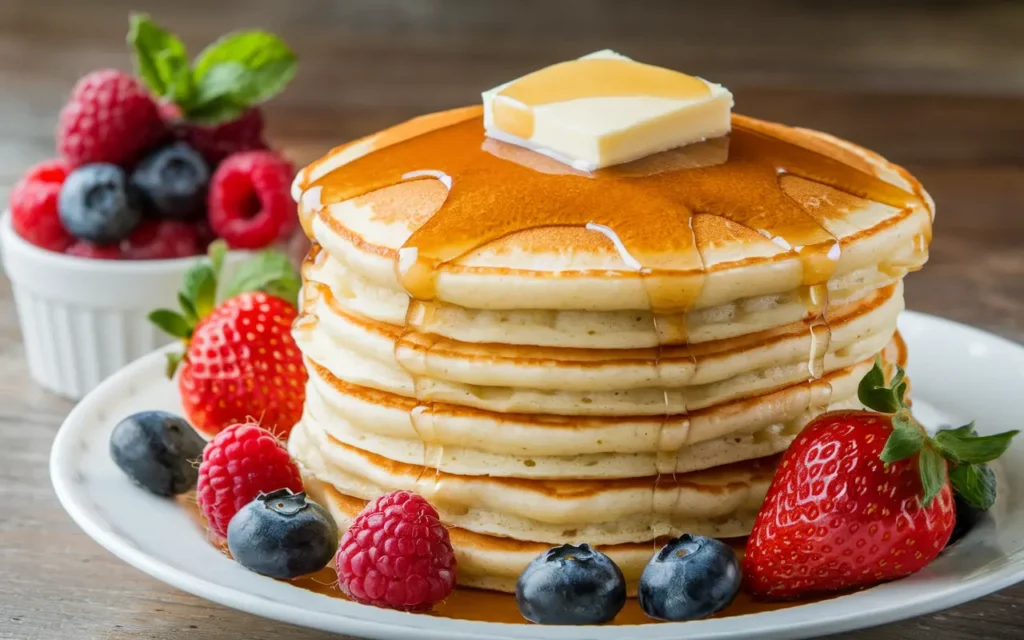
238,71
961,446
874,394
959,454
906,441
975,483
932,468
269,271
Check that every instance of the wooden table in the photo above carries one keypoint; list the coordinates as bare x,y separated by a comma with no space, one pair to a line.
940,90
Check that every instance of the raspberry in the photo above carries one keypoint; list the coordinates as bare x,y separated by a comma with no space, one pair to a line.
109,118
218,141
33,203
397,555
162,240
243,461
86,249
250,204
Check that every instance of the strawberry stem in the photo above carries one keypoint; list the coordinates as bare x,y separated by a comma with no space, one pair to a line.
957,455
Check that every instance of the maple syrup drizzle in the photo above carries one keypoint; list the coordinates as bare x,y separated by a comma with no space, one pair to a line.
645,207
587,78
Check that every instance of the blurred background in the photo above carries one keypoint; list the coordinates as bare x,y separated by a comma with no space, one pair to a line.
935,85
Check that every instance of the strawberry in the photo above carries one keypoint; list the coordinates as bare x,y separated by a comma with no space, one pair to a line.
212,103
862,497
241,362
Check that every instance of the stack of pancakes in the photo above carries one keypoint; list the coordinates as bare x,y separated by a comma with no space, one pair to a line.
546,358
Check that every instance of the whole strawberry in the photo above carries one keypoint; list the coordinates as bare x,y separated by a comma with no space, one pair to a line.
110,117
240,362
211,104
239,464
862,498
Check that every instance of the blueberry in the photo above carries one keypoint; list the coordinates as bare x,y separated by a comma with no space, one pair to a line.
173,181
571,585
283,535
690,578
98,204
158,450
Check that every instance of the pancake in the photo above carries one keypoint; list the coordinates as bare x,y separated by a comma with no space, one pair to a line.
356,296
790,208
720,502
341,341
466,441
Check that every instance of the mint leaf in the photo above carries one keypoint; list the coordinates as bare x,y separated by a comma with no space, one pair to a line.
963,448
269,271
171,322
905,440
975,483
160,60
874,394
932,468
238,71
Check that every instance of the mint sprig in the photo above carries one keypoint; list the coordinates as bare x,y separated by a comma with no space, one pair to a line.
957,454
238,71
269,271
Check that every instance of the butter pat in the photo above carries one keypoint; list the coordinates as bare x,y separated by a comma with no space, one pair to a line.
605,109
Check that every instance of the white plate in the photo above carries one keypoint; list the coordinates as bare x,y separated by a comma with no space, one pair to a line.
959,373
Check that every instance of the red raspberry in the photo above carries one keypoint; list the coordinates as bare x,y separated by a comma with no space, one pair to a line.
397,555
218,141
250,203
161,240
243,461
33,205
85,249
109,118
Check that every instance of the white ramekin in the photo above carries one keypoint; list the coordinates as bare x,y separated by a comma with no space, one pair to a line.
81,319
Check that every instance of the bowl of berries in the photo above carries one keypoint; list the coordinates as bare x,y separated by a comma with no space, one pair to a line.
151,168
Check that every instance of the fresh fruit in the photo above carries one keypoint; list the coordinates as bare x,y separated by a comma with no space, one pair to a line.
158,451
861,498
971,505
173,182
240,359
162,240
211,104
690,578
250,204
243,461
110,118
397,555
86,249
97,204
571,585
218,141
33,203
282,535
